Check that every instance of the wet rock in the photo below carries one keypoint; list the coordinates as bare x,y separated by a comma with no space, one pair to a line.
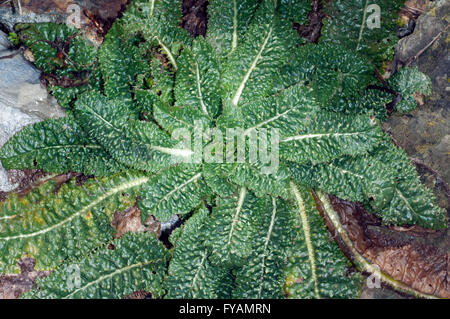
425,132
23,100
89,15
428,25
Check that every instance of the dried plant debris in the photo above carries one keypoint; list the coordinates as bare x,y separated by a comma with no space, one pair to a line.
311,31
195,17
13,286
24,179
140,294
413,255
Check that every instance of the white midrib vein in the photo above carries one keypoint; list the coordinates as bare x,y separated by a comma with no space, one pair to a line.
173,117
241,87
266,243
306,136
93,146
118,271
103,119
163,46
235,22
307,232
111,192
363,22
200,265
176,189
405,200
170,151
199,88
242,194
169,54
152,7
347,172
276,117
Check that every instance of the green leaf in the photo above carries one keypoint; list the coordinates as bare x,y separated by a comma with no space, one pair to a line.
336,74
18,203
295,10
371,102
412,203
352,24
140,145
358,179
408,81
40,37
254,178
331,135
262,275
316,267
14,38
286,111
158,21
57,146
231,227
120,64
216,177
191,274
67,59
176,190
250,69
228,22
158,87
198,79
137,262
67,224
179,117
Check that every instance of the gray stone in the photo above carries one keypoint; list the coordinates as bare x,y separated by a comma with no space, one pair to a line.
23,100
9,18
425,132
428,25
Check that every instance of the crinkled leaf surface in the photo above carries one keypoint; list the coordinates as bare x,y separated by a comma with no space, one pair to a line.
136,262
156,97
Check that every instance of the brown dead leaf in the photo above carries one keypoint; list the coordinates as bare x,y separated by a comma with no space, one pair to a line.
140,294
13,286
126,221
416,257
25,179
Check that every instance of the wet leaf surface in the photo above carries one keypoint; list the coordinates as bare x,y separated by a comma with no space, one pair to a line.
418,257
